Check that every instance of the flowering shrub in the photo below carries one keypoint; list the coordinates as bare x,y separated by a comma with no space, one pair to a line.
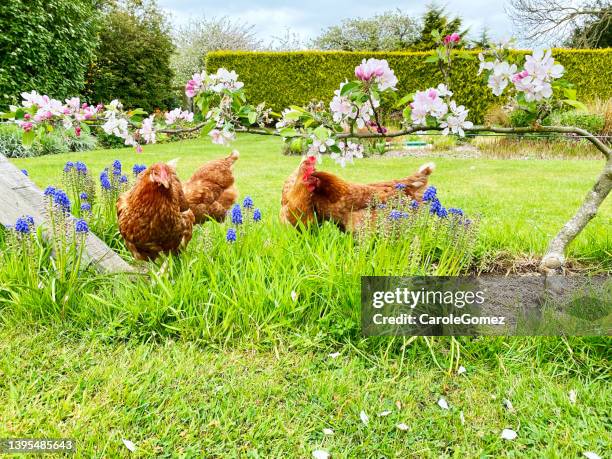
356,104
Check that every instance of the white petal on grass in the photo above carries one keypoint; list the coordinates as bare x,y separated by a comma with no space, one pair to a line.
461,370
334,355
508,405
320,454
294,295
442,403
364,417
328,431
591,455
461,417
129,445
384,413
402,426
572,396
398,405
508,434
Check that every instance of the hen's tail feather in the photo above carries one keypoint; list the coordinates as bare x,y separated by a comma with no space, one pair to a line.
234,155
427,168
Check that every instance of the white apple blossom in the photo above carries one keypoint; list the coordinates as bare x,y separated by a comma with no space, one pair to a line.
443,90
541,65
350,150
221,137
456,121
147,130
425,103
177,114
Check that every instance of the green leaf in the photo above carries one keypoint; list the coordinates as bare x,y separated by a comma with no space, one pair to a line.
348,87
252,117
19,113
288,132
569,93
404,100
576,104
322,133
207,128
137,111
28,138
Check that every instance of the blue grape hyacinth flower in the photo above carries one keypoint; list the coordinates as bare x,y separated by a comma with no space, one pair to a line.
123,179
22,225
104,180
138,168
455,211
49,191
257,215
81,167
85,207
400,186
117,165
81,227
236,215
231,235
247,203
84,196
395,215
69,166
430,193
60,198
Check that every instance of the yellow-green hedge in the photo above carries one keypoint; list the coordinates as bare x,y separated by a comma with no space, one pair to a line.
296,78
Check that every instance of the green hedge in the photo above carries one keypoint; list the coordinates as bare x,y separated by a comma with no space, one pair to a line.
283,79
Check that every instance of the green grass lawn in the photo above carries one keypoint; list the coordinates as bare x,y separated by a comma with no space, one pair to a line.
177,399
215,359
521,203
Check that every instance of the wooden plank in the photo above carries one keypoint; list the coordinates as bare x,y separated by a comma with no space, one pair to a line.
20,196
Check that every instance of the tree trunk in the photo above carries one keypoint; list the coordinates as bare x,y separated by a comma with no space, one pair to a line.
554,258
21,197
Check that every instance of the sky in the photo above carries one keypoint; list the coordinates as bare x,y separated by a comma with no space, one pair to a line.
308,18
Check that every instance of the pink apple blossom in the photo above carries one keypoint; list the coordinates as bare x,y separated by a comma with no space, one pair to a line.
425,103
452,38
377,70
221,137
147,130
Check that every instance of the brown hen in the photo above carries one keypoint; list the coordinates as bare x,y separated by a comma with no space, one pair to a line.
310,194
154,216
210,192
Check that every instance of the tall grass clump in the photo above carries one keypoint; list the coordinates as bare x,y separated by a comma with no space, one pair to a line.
247,277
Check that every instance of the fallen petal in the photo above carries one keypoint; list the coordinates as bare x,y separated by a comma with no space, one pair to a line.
398,404
402,426
442,404
334,355
320,454
364,417
129,445
461,370
572,397
591,455
384,413
328,431
508,434
294,295
461,417
508,405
